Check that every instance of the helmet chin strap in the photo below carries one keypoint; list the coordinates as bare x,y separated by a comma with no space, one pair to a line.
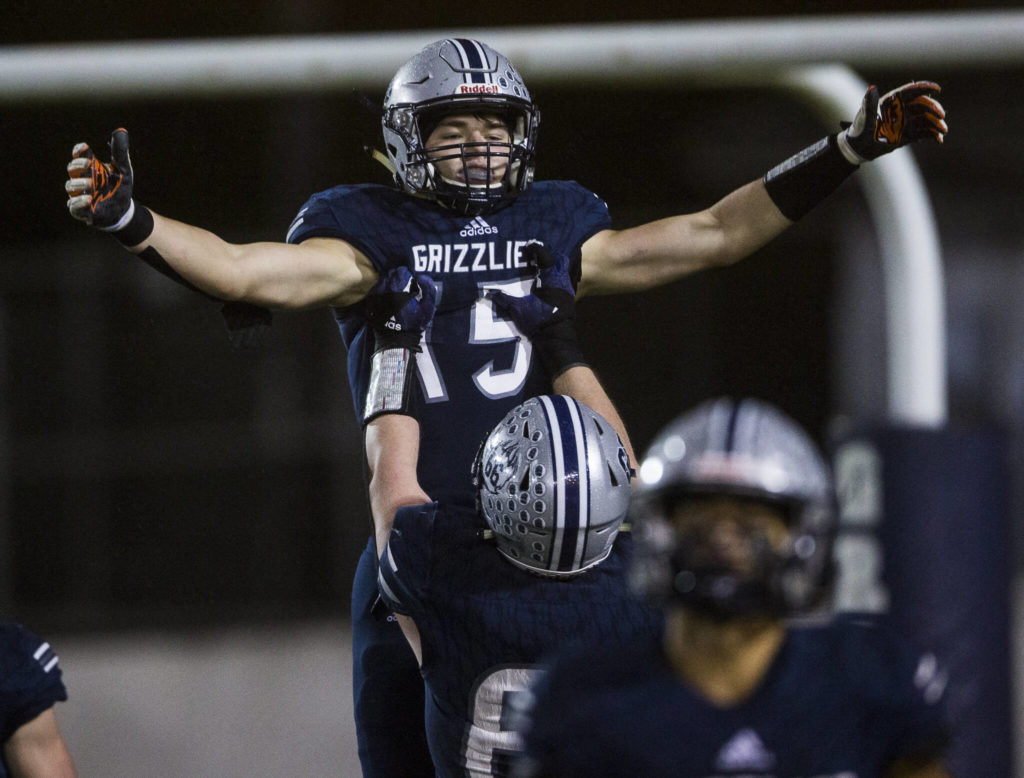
380,157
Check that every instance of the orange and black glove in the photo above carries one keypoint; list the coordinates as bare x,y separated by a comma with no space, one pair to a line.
883,124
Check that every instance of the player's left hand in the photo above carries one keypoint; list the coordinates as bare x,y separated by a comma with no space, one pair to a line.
400,306
548,314
550,270
883,124
545,307
100,193
551,299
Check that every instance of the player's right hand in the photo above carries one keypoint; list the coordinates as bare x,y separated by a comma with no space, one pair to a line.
100,193
400,306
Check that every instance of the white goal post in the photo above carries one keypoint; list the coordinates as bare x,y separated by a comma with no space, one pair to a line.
813,57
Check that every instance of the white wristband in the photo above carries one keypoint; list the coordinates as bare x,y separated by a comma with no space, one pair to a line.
847,150
120,224
390,376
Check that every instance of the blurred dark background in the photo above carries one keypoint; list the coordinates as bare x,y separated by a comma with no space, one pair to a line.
152,476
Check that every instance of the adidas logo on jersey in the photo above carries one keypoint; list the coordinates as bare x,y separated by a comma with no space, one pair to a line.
744,751
478,227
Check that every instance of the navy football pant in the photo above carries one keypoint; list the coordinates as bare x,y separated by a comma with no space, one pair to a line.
386,686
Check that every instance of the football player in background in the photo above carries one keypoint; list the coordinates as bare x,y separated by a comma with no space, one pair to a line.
733,517
30,687
460,129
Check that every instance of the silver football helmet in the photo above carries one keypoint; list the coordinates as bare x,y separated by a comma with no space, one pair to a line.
748,450
552,483
459,75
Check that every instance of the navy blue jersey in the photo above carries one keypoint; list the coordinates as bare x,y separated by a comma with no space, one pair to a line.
30,680
485,625
840,700
475,365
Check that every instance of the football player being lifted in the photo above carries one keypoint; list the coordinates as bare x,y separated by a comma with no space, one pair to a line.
460,130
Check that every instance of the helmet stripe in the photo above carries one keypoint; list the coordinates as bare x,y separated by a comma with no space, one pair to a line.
722,426
582,535
571,508
474,60
734,421
559,483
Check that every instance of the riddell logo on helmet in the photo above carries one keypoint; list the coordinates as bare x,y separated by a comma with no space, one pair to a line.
477,89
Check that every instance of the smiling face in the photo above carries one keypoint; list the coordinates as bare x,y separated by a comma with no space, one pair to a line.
470,149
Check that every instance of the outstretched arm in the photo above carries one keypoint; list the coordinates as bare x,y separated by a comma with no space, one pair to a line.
662,251
319,271
316,272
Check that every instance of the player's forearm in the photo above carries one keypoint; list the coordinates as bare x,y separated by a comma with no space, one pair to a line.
198,256
392,450
733,228
665,250
274,275
581,383
744,221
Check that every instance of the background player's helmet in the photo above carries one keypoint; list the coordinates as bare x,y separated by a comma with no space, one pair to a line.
458,75
552,483
748,450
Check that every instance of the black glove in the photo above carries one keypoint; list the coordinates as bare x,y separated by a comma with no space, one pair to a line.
399,307
100,193
883,124
548,314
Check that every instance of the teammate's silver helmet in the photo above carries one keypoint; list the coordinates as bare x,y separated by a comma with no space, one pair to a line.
553,484
746,449
458,75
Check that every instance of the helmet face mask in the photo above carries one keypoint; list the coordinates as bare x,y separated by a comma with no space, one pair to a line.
553,486
734,467
726,554
465,77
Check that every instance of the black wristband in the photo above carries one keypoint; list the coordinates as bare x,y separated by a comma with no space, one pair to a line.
409,339
558,347
807,178
138,228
